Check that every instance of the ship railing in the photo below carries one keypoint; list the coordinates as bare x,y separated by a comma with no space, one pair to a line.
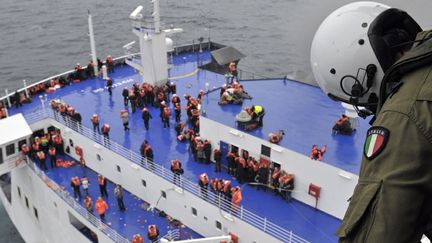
11,163
63,194
171,235
191,46
226,207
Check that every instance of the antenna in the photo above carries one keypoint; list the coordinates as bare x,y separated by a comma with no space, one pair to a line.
156,15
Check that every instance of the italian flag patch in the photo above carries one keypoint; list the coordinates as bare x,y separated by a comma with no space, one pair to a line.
376,139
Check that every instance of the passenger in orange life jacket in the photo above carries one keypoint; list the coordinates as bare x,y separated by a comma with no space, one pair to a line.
95,121
110,64
137,238
342,126
217,156
124,115
231,162
207,151
147,153
146,116
53,156
316,154
152,233
252,169
237,197
175,99
203,183
3,113
58,142
240,169
125,95
166,113
227,189
275,178
109,84
85,185
102,185
233,71
105,132
286,185
177,170
177,109
101,207
75,184
90,69
41,158
25,149
88,204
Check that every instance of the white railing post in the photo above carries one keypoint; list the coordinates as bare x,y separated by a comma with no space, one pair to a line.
8,97
25,89
241,211
265,225
290,236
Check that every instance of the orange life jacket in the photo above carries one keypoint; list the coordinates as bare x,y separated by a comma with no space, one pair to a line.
76,181
137,239
101,206
175,164
87,203
276,174
237,197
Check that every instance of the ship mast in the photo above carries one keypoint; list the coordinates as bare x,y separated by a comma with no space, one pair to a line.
153,61
92,44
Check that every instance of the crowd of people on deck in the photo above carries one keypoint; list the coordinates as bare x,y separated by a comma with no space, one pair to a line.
245,168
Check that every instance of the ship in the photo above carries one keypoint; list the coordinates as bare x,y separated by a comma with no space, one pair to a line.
41,202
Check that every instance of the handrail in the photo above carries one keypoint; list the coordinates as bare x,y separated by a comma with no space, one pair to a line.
116,60
111,233
242,213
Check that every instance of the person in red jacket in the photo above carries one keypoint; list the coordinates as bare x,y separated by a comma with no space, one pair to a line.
101,206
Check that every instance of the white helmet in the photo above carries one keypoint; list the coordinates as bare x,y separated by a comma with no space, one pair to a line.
355,45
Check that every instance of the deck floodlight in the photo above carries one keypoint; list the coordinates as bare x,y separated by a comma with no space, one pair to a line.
136,14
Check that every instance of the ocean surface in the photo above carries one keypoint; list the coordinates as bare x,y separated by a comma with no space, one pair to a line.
41,38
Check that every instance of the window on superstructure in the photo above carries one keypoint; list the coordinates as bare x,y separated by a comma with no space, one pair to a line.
118,168
82,228
234,149
194,211
19,191
10,149
163,194
144,183
98,157
218,225
36,213
27,202
265,150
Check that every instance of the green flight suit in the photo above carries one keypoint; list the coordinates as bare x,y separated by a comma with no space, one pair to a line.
392,201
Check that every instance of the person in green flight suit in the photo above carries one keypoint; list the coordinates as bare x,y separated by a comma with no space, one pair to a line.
379,60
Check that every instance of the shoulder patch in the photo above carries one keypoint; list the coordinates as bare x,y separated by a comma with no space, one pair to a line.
376,140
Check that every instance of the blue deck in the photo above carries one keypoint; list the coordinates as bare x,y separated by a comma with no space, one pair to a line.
132,221
288,104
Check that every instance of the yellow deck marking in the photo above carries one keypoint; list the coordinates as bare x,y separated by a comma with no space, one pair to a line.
186,75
